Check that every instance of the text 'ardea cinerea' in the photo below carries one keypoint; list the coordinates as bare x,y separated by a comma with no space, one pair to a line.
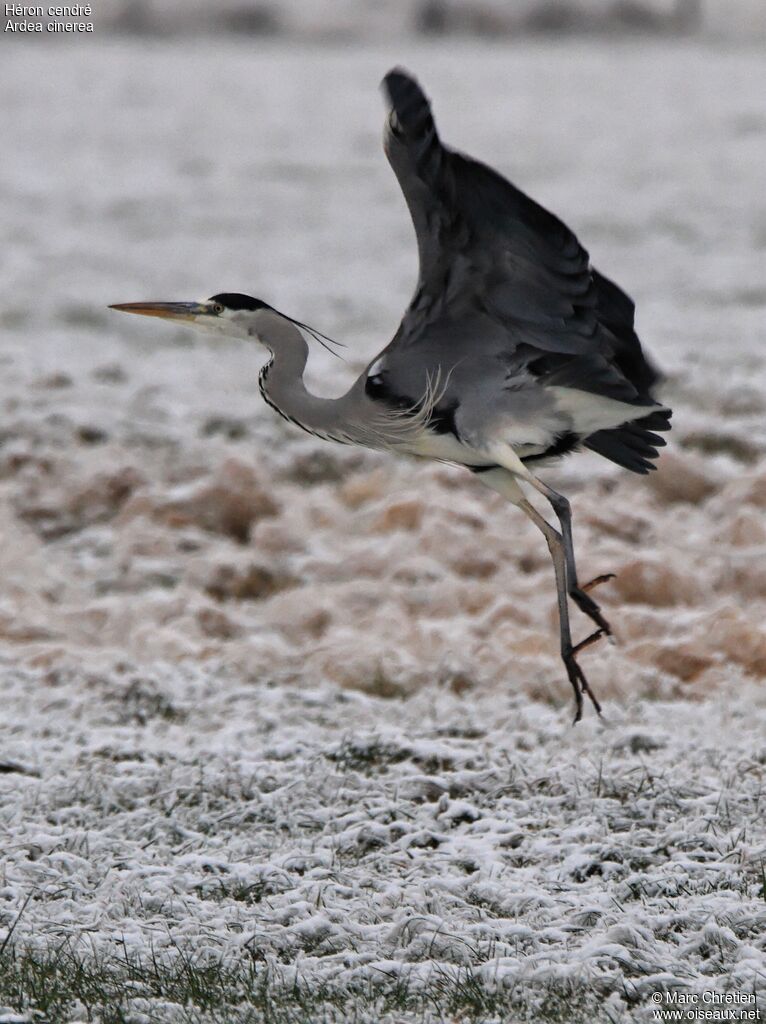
513,351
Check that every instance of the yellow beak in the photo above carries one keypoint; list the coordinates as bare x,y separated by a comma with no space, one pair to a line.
166,310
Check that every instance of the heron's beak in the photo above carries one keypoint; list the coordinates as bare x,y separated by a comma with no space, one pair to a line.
166,310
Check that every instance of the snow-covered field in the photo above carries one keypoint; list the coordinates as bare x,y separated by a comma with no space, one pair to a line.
284,724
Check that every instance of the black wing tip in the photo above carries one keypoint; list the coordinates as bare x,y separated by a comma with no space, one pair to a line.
408,102
399,78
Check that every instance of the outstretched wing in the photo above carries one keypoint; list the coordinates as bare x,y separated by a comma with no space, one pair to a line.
500,277
480,238
487,249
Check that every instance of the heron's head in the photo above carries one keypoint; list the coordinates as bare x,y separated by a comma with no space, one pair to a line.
228,314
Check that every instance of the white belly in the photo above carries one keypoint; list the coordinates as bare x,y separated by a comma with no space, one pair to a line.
444,447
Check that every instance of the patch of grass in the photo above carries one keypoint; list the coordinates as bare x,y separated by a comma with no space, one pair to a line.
250,894
176,985
369,755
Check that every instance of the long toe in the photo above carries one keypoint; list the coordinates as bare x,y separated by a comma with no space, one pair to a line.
579,682
598,580
584,644
588,607
573,671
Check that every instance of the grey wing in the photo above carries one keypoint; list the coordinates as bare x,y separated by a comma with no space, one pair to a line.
504,286
482,241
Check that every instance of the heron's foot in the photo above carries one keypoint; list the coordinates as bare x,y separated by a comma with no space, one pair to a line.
577,676
588,606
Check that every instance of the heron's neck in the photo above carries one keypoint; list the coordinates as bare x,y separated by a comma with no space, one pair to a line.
281,382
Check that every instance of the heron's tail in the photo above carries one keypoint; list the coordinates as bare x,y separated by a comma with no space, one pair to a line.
633,445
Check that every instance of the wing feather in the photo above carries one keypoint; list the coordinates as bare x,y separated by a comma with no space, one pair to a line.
480,238
501,278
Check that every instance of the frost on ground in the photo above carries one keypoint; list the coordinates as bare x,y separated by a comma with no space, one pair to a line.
380,853
283,721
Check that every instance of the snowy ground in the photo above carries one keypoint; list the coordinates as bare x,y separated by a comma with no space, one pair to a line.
274,710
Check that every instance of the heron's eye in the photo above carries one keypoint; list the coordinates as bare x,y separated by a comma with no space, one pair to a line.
217,308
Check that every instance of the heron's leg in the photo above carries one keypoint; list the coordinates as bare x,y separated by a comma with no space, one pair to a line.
505,483
568,650
578,594
508,458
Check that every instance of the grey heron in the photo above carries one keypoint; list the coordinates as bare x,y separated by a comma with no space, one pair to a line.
513,352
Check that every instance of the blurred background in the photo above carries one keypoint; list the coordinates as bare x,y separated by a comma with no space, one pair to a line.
152,508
